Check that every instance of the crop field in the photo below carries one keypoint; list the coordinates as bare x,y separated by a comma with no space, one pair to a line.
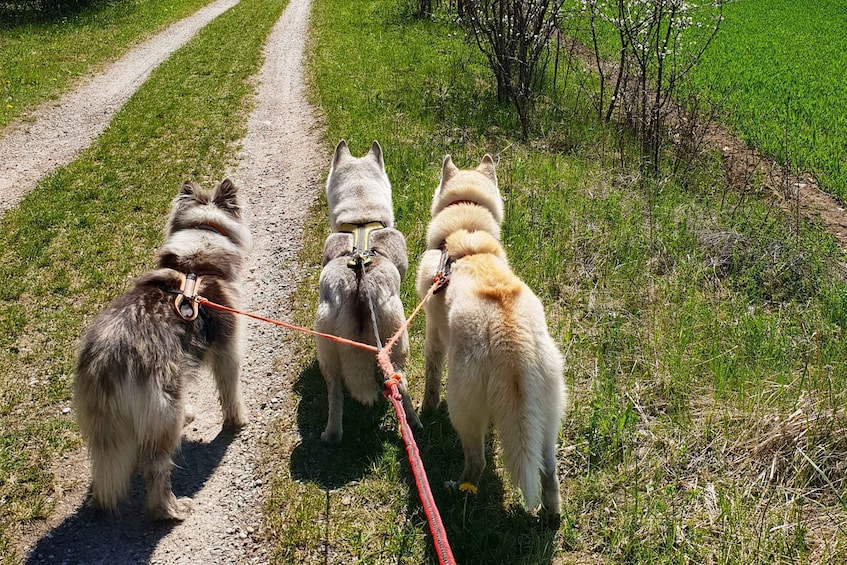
776,71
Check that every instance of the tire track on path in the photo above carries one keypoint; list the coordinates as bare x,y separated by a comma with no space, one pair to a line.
64,128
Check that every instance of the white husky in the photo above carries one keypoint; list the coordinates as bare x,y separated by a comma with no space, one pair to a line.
504,366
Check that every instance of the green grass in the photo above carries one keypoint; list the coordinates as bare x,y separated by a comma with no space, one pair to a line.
776,70
77,239
695,323
44,53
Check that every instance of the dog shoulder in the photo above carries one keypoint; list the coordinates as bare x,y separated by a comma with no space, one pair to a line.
337,245
391,243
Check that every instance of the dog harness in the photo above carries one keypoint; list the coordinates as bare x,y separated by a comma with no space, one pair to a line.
185,303
362,252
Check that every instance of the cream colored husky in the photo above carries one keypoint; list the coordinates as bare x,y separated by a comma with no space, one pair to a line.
504,367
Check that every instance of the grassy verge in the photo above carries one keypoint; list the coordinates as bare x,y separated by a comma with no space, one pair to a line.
45,52
86,230
703,335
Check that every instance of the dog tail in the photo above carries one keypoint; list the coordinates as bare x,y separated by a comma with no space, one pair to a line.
529,428
520,429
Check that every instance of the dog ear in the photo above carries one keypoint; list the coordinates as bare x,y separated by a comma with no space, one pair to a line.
341,151
187,189
376,154
486,167
226,195
448,169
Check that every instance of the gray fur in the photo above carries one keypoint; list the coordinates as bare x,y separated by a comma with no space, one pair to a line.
137,355
358,192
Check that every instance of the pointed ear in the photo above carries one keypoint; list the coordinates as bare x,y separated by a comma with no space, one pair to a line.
376,154
341,152
448,169
226,195
486,167
187,189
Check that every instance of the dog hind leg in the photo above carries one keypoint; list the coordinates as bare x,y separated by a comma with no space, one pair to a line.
434,366
226,365
330,367
471,425
157,448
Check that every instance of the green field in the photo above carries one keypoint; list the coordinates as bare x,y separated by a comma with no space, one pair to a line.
776,71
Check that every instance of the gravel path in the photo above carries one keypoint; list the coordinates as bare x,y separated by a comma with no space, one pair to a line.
280,172
64,128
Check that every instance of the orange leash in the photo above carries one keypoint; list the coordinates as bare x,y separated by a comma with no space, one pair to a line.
392,393
360,345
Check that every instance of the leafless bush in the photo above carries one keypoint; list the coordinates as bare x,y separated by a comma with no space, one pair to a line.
514,36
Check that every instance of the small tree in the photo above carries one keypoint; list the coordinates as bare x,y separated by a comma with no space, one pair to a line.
659,42
514,35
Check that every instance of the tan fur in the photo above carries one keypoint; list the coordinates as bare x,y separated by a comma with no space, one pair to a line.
137,355
358,192
505,368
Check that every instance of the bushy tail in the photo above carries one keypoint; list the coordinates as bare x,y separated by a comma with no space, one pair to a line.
520,426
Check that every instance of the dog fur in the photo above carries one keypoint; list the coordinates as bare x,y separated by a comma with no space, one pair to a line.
358,192
504,367
137,355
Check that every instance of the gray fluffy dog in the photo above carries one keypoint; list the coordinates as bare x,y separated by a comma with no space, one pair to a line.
140,351
361,212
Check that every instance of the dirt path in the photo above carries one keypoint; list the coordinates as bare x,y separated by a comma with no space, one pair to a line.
62,129
280,170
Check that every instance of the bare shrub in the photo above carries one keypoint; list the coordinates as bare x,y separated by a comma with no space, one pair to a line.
514,35
658,43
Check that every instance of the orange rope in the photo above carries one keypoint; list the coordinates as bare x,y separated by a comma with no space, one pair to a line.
392,393
382,356
201,300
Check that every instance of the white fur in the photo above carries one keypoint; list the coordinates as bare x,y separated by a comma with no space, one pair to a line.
505,369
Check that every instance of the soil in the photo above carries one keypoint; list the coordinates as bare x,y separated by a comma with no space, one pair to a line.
280,170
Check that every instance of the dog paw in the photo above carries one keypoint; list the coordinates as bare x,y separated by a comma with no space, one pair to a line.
236,421
331,436
188,415
430,404
176,509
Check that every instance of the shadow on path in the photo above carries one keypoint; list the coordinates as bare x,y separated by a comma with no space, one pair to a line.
129,537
